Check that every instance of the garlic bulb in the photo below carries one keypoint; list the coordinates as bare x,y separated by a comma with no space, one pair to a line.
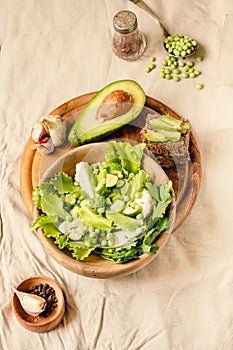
48,132
31,303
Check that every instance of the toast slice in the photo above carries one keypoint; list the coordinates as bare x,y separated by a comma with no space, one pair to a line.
168,153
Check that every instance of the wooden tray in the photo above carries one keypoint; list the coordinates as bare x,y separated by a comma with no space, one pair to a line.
186,179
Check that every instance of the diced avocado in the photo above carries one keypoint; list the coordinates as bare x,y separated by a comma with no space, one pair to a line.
117,206
132,211
111,180
90,127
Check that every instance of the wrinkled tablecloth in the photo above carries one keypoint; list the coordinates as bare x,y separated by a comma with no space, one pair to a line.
54,50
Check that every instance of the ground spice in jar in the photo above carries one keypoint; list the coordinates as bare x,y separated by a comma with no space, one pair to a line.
48,293
128,42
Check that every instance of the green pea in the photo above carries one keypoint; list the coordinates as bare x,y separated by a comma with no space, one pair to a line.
139,217
87,241
183,53
194,42
152,58
162,75
147,69
100,210
186,68
92,234
176,78
177,71
199,86
197,72
192,75
169,62
104,243
191,70
110,235
190,63
168,76
173,59
167,71
151,66
174,65
185,75
199,58
176,52
111,242
181,64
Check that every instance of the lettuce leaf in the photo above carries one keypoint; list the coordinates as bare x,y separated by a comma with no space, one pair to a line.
52,205
129,156
148,245
79,251
63,183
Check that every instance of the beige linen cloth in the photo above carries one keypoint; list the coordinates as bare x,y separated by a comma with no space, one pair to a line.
54,50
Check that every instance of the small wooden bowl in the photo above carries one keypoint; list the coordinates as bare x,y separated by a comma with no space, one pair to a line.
39,324
94,266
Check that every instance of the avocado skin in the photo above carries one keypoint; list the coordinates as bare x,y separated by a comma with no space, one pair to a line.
87,128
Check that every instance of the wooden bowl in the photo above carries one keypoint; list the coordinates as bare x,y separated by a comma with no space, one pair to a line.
94,266
39,324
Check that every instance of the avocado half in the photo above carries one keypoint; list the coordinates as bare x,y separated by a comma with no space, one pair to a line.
89,127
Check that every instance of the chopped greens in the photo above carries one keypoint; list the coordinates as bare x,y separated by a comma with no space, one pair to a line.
116,211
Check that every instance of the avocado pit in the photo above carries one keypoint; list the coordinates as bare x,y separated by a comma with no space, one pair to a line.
115,104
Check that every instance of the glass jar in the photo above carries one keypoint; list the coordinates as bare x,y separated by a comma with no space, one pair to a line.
128,42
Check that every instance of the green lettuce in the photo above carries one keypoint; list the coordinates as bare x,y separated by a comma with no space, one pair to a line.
129,156
61,199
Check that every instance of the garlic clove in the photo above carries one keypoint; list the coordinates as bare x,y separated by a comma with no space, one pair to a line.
32,304
44,148
58,135
39,133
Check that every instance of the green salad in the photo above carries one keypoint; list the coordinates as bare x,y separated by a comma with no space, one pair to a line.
110,208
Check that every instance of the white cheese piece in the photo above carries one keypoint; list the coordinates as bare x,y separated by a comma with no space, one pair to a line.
123,236
83,178
74,229
146,202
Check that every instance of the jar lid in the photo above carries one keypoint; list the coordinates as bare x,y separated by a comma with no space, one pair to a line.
125,22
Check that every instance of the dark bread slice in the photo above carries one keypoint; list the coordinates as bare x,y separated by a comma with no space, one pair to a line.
168,153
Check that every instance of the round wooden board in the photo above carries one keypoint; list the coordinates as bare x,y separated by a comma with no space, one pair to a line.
186,179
